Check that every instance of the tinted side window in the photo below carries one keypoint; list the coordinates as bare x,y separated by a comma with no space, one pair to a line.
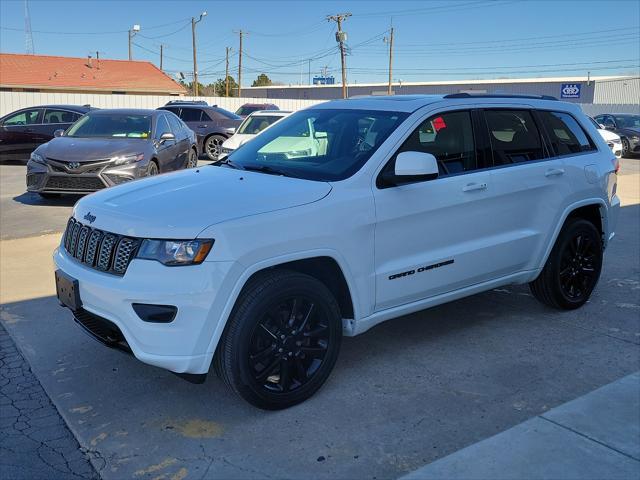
162,126
514,136
191,114
26,117
449,137
565,133
59,116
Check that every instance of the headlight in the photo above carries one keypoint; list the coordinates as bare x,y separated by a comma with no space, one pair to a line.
126,159
635,138
175,252
38,158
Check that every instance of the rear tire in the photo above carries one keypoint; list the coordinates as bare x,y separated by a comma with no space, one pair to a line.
281,341
573,267
212,146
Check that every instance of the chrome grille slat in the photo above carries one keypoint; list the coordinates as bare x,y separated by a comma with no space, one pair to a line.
82,240
104,251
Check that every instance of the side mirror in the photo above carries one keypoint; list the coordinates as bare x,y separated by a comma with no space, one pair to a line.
412,167
58,133
602,127
167,136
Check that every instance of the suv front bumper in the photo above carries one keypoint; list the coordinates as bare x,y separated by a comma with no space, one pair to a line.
180,346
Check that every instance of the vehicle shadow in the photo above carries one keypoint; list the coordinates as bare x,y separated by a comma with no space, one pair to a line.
30,198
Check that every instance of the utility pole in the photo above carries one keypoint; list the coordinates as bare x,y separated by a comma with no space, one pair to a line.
390,42
195,62
309,71
161,54
132,33
240,67
226,74
341,37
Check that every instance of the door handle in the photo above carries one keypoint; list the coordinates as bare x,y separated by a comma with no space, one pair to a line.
202,126
554,172
472,187
29,130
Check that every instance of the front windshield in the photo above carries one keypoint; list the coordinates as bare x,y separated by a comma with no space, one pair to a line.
318,144
628,121
111,125
254,125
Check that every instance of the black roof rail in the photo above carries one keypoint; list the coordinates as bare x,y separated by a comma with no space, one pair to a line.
499,95
186,102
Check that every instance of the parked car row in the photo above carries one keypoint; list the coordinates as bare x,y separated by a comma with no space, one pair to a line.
80,149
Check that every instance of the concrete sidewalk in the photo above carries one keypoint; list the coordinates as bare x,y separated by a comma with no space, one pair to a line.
595,436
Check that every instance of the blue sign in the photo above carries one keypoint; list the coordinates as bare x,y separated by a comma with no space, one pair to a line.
570,90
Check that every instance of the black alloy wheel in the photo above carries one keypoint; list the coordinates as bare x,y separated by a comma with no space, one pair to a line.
281,340
573,267
626,148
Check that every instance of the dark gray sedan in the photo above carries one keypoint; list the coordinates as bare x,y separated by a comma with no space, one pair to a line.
109,147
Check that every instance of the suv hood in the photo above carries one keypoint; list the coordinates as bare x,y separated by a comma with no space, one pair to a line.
181,205
72,149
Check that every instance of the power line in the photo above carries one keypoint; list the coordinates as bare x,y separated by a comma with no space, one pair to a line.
112,32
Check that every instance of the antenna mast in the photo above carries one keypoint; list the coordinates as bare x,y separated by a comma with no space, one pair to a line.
28,35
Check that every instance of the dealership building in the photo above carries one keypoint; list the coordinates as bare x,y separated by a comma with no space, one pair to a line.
583,90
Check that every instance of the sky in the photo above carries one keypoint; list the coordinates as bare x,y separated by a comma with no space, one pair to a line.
287,40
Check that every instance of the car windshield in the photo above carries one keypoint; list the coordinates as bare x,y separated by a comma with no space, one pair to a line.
318,144
254,125
248,109
628,121
112,125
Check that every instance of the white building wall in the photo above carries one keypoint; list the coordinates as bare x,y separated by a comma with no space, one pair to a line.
11,101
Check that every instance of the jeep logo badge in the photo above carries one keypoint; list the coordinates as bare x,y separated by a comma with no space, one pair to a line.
73,165
89,218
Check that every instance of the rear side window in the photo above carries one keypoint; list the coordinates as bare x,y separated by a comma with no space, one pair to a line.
565,133
448,137
191,114
514,136
59,116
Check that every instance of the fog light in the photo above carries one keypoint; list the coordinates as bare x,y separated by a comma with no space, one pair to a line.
155,313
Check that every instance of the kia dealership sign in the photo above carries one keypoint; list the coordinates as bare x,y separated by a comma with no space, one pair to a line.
570,90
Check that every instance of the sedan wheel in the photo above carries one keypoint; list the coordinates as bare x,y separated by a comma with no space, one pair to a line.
625,147
192,162
212,146
152,169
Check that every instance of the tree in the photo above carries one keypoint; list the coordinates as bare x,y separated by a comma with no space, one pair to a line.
262,81
219,87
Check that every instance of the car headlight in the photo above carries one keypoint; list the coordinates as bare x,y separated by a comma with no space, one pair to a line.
37,158
635,138
175,252
126,159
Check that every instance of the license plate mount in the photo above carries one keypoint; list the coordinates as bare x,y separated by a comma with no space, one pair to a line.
68,291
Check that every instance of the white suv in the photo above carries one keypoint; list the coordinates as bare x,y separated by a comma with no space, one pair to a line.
261,263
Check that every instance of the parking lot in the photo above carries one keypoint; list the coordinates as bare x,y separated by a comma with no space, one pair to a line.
404,394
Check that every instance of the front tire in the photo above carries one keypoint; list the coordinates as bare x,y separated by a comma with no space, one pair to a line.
152,169
626,147
281,341
192,161
573,267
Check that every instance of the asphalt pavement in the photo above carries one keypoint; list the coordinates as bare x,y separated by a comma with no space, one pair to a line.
404,394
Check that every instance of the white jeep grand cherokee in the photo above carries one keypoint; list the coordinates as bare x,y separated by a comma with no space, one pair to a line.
262,262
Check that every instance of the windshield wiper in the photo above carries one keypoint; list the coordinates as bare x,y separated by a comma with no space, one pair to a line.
268,170
227,162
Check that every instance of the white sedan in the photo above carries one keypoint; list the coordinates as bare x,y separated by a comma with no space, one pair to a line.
613,140
252,126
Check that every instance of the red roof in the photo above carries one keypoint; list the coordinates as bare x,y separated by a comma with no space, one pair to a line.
69,73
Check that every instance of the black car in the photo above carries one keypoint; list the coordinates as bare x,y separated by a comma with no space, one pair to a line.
23,130
212,124
110,147
625,125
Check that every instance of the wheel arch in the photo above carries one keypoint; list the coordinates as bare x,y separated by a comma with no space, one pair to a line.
326,261
592,209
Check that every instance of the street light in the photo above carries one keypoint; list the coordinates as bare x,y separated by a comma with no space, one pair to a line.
195,63
132,33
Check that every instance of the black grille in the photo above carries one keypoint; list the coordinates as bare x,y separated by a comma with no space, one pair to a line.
81,184
104,251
